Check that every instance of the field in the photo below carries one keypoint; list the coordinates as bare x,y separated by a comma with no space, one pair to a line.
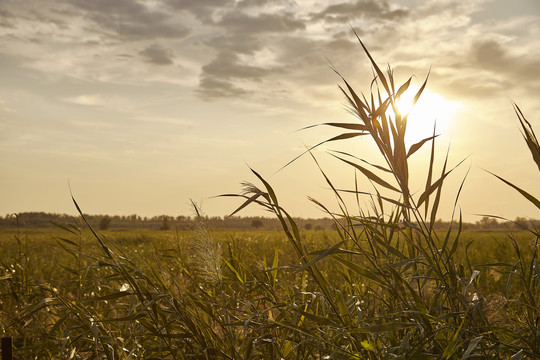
169,294
387,283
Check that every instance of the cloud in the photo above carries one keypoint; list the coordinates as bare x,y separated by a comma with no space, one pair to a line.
212,88
372,9
130,19
261,3
263,23
277,44
231,47
5,19
203,10
492,55
226,66
489,53
490,67
87,100
243,43
244,49
219,76
157,55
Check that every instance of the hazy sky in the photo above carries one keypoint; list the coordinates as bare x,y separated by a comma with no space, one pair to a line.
143,105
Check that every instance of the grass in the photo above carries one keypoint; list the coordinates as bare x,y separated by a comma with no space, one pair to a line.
384,285
53,276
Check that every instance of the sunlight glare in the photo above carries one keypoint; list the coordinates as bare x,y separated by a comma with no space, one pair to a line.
429,109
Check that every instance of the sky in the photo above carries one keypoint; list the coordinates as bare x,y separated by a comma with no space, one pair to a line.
140,106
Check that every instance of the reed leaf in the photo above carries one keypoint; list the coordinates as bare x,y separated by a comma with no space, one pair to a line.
529,136
403,87
380,74
525,194
370,175
417,146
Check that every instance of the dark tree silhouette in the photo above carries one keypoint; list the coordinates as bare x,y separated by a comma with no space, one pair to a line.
105,222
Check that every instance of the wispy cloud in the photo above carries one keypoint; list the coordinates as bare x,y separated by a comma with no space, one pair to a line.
130,19
87,100
345,11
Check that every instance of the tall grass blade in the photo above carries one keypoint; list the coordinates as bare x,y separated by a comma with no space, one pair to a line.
103,246
415,147
529,136
380,74
525,194
350,126
403,87
421,90
370,175
435,206
335,138
436,185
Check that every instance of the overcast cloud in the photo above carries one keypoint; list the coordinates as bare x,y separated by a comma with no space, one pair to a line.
240,43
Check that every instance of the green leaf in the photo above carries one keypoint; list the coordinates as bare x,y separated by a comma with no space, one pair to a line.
236,273
331,250
367,345
320,320
361,270
57,325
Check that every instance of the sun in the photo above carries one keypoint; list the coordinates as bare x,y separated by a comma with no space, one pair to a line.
431,108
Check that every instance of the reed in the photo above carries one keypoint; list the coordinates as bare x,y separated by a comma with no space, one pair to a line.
418,299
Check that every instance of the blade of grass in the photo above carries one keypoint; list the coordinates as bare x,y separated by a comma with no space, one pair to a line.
525,194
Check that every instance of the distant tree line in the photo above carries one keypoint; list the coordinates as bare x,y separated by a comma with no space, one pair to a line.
161,222
166,222
492,223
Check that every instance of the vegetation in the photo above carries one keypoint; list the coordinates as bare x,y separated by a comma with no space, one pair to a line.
47,220
41,220
385,284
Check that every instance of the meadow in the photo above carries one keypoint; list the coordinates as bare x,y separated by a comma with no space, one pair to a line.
385,284
62,299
